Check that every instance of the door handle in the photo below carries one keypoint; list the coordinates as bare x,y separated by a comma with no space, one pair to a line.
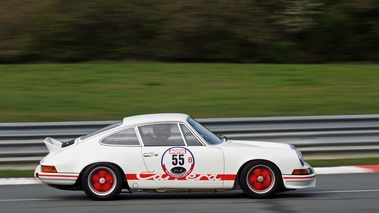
150,154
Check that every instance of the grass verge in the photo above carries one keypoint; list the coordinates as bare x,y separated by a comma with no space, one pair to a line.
343,162
16,173
111,91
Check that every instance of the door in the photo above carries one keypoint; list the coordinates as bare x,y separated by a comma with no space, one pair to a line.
174,160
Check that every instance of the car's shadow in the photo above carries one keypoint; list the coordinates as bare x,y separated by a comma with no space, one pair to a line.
190,195
207,195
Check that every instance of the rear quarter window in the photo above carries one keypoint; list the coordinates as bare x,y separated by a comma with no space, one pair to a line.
126,137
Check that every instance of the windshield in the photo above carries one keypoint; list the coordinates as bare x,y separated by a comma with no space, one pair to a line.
204,132
100,130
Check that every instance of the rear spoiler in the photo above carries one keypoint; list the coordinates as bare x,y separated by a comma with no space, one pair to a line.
53,145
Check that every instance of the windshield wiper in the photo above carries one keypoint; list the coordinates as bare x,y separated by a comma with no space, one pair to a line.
224,138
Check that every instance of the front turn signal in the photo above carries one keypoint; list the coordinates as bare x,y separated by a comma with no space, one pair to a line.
48,169
301,172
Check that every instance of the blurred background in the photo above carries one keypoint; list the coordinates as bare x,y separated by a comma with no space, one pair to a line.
64,60
270,31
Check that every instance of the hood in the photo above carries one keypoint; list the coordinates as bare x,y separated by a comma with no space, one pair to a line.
262,144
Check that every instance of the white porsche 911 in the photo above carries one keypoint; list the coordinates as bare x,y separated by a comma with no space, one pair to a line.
170,153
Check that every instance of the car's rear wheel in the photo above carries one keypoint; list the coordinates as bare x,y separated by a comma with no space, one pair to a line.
260,179
102,181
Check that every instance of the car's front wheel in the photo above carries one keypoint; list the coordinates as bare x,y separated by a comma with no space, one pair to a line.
260,179
102,181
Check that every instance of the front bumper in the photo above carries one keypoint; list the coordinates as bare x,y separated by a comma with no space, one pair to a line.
300,181
56,178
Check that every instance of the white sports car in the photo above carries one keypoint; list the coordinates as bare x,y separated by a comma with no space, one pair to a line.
170,153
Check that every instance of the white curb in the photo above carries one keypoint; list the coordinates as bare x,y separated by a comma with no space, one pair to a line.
18,181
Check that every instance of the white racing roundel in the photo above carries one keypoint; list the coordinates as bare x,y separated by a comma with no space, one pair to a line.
177,162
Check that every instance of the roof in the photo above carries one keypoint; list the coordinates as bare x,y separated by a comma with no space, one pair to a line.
152,118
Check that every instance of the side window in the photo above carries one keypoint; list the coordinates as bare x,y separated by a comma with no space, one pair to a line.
125,137
190,138
161,135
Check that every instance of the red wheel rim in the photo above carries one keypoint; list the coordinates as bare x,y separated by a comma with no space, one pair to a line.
102,181
260,179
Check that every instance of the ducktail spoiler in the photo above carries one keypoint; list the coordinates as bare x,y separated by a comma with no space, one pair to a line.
53,145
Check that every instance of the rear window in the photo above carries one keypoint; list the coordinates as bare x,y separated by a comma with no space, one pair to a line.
101,130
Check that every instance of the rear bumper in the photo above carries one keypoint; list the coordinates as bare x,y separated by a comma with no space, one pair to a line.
56,178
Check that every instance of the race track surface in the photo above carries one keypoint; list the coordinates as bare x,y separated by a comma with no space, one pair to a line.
357,192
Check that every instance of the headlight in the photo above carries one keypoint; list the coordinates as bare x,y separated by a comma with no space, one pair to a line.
299,154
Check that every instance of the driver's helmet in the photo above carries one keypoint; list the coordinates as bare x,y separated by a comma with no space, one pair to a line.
162,130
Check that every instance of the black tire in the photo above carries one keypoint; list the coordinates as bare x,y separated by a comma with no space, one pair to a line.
260,179
102,181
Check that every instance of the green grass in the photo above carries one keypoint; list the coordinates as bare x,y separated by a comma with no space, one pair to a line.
110,91
16,173
343,162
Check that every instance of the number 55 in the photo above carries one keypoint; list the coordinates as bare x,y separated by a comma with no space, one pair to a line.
177,159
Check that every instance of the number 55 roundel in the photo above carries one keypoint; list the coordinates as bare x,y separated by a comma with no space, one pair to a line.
178,162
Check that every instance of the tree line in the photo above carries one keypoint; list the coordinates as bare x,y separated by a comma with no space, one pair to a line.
253,31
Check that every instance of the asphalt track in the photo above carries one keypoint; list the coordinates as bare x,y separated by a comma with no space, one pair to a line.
357,192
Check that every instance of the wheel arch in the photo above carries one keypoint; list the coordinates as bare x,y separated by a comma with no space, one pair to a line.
237,184
125,182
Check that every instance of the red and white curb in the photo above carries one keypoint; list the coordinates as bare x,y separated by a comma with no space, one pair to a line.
319,171
18,181
347,169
